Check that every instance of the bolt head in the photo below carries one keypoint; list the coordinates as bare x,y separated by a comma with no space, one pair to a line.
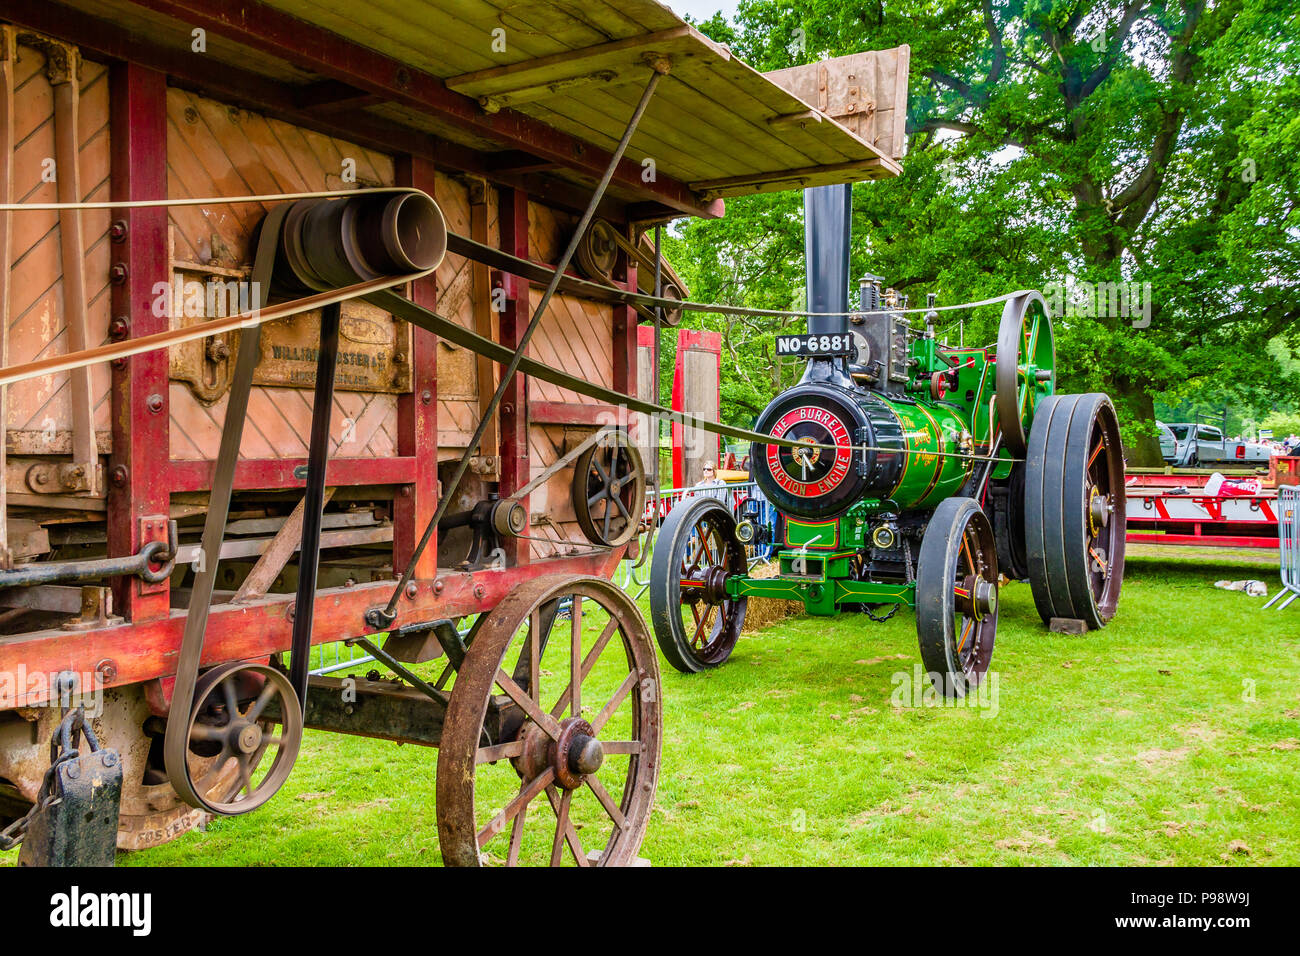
412,590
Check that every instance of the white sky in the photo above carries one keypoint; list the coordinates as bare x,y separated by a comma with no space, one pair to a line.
702,9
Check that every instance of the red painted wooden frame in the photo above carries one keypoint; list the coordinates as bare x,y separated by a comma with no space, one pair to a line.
139,482
133,653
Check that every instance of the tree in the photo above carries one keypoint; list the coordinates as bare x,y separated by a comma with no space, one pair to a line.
1152,143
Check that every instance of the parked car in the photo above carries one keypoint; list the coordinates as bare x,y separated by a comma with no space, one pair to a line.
1170,447
1196,444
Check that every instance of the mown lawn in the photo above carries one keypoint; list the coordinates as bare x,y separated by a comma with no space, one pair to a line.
1171,737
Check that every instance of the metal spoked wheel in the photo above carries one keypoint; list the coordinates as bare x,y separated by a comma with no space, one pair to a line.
237,710
696,624
957,596
609,490
1025,332
551,743
1074,510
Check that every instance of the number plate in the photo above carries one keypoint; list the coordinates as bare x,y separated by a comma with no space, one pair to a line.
835,343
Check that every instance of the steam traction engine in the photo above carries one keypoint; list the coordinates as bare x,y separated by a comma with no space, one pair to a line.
920,474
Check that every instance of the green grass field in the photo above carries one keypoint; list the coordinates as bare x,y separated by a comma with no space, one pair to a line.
1171,737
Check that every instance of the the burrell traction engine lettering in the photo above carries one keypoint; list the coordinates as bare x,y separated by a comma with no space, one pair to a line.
920,475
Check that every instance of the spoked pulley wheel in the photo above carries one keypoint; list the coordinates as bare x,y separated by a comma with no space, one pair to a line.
696,623
247,717
1026,363
551,743
609,489
1074,509
957,596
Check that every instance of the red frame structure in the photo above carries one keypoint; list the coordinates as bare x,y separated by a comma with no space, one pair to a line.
1152,522
141,474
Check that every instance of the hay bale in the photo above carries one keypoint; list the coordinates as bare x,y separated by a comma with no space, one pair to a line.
763,612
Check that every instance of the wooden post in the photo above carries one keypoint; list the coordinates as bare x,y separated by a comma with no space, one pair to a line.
417,414
481,297
138,498
512,217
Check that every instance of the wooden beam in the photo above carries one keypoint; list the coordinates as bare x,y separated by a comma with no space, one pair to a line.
876,168
542,77
417,413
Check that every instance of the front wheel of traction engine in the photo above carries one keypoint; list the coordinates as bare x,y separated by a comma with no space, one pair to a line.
957,596
696,623
551,742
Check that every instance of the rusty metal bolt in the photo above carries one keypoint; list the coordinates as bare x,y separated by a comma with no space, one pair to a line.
426,396
507,408
106,669
412,590
407,491
40,477
402,78
437,586
191,115
119,327
118,230
118,475
119,273
291,612
480,591
154,403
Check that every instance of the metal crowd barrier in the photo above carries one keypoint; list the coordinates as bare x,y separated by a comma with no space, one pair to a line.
1288,534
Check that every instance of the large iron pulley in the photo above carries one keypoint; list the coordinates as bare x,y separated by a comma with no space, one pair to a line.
1026,367
554,715
597,256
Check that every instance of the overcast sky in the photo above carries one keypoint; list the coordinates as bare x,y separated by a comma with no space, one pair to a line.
702,9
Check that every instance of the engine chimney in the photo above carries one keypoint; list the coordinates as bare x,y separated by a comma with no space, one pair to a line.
827,211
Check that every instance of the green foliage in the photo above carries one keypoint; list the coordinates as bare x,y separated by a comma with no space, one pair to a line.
1055,141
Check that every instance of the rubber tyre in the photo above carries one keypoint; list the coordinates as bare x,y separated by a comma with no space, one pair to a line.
1092,410
936,570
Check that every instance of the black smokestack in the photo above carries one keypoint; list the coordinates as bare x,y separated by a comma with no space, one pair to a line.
826,211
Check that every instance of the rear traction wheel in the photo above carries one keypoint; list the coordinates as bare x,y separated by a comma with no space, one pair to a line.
1074,509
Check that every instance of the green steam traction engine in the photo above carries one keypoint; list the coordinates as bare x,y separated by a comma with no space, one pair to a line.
920,473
